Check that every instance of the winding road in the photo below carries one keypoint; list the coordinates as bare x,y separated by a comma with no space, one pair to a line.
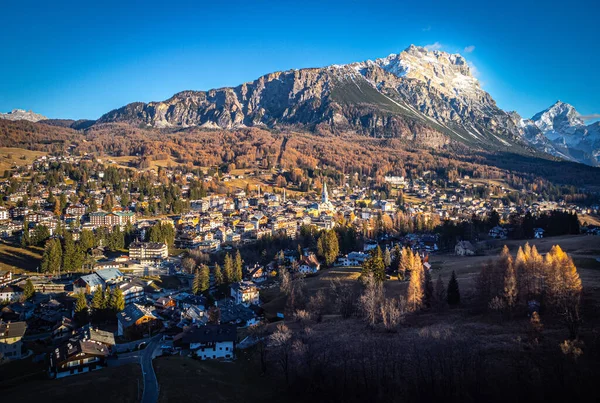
150,394
144,358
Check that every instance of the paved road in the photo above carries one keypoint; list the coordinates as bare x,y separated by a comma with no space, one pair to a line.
144,358
150,394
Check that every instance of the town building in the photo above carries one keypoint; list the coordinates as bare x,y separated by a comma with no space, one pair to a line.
76,357
11,344
245,293
136,320
148,251
464,248
209,342
5,277
105,219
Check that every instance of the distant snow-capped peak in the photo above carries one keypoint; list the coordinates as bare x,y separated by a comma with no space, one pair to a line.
21,114
559,119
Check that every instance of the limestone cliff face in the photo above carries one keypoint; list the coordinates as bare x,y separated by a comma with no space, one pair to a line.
429,97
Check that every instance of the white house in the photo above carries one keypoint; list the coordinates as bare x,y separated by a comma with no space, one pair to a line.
209,342
309,264
245,292
464,248
10,293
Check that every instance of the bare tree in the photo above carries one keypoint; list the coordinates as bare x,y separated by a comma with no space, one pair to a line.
281,341
371,299
316,305
285,281
392,312
260,334
344,297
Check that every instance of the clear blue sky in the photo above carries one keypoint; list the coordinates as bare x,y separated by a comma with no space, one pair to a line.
70,60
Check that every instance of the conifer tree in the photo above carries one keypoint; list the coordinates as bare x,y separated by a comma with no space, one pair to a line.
28,290
440,292
218,274
427,289
81,309
378,266
415,292
534,273
196,282
69,255
204,278
228,269
238,264
52,257
510,286
453,293
98,305
333,247
406,262
25,240
117,300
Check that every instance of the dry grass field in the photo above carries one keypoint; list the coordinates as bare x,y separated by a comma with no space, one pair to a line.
113,384
584,249
18,259
10,156
185,379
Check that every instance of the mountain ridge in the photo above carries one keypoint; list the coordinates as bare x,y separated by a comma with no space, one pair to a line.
429,97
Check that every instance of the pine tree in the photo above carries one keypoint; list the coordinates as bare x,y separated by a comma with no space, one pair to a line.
196,283
321,245
28,290
87,240
98,305
81,309
440,292
117,300
453,293
523,274
510,286
238,271
374,265
428,297
98,300
415,292
25,240
228,269
218,274
332,247
204,278
405,262
69,254
52,257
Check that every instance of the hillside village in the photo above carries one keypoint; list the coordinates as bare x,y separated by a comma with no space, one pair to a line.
127,256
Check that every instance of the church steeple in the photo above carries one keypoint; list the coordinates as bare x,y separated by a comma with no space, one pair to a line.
324,195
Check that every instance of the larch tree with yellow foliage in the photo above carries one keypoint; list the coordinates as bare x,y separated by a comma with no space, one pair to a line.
415,290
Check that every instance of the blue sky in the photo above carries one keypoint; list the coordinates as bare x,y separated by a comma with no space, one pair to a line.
67,60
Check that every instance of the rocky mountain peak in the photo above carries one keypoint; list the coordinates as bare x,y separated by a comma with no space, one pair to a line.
560,117
447,73
21,114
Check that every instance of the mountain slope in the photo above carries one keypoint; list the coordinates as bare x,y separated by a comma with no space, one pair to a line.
429,97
